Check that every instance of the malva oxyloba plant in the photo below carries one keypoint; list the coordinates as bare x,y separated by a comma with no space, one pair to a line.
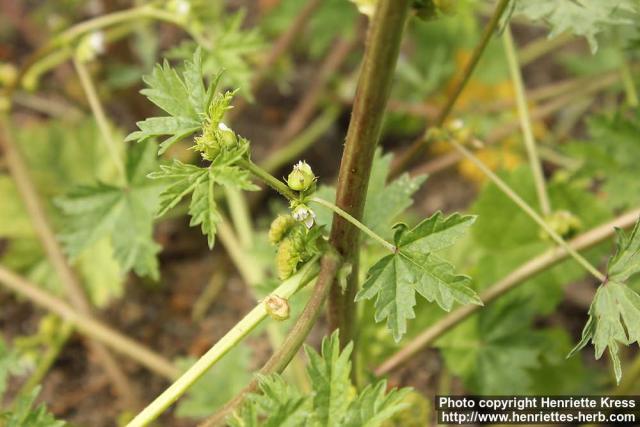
325,236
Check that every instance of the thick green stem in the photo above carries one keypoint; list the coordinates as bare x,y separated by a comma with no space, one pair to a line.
369,232
372,93
222,347
409,155
280,359
525,122
508,191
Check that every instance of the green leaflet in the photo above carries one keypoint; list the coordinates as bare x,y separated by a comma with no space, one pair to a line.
123,214
184,179
614,315
611,156
235,48
584,18
184,97
329,374
334,401
396,278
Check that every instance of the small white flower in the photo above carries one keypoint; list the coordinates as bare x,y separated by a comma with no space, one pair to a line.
97,42
223,127
183,7
305,215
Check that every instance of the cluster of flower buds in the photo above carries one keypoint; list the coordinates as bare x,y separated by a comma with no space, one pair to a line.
214,139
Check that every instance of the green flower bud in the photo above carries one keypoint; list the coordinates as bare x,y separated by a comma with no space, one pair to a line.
280,227
277,307
301,177
227,137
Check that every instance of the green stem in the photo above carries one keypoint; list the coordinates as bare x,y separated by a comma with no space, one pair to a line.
99,114
372,94
268,179
412,152
525,122
253,275
222,347
369,232
329,266
504,187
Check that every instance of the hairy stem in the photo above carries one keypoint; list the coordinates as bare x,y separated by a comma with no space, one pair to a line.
88,326
406,158
280,359
369,232
268,179
525,122
100,116
372,93
517,277
239,331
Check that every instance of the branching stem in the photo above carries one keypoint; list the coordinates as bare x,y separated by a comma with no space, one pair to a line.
369,232
239,331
